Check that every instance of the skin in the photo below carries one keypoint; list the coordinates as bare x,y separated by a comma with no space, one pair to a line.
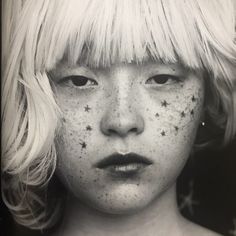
120,109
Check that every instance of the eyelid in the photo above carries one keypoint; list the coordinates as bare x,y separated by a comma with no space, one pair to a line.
65,71
69,77
174,78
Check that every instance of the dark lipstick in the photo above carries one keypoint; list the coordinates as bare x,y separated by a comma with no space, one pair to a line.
123,165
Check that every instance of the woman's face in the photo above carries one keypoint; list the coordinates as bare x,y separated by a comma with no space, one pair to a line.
127,130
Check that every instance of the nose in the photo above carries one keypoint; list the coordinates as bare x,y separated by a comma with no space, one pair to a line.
122,118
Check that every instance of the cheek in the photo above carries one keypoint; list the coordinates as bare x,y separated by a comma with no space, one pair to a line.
74,140
172,122
176,113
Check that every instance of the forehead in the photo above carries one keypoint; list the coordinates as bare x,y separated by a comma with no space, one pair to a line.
101,33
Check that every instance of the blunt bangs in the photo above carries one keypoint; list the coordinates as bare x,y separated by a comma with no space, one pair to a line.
100,33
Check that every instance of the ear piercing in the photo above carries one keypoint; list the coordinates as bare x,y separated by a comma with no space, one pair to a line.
203,123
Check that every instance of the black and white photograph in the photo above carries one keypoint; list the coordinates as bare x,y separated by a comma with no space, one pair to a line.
118,118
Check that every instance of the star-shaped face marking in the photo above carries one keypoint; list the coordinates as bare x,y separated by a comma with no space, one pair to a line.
163,133
164,103
87,108
88,128
83,145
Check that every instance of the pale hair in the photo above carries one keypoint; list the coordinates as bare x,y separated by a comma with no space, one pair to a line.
37,34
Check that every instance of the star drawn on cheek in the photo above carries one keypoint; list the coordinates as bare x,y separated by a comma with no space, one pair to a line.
87,108
88,128
182,114
163,133
193,99
164,103
83,145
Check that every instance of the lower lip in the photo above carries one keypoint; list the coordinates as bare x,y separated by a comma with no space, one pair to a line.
126,170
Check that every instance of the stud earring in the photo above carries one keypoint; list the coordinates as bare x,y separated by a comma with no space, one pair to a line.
203,123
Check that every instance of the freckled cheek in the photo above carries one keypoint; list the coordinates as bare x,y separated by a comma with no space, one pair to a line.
73,159
172,123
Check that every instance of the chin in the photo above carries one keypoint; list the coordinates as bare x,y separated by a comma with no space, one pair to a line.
120,203
120,208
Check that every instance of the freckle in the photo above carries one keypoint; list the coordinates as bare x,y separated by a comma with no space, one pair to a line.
192,112
176,128
193,99
64,120
157,115
182,114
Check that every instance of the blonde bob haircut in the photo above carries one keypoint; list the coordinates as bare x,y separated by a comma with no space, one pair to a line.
37,35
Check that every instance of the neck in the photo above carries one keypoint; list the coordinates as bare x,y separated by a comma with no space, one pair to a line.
161,217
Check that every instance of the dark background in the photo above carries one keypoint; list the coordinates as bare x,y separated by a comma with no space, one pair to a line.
211,172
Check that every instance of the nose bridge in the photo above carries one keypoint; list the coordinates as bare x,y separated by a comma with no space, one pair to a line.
123,97
122,115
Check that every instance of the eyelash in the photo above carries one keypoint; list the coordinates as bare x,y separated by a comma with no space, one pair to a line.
79,81
83,81
163,79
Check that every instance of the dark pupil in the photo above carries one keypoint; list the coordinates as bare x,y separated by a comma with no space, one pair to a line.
161,79
79,80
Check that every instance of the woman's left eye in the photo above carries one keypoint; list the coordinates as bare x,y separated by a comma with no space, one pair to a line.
162,79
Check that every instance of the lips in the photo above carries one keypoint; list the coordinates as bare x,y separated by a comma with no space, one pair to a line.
123,165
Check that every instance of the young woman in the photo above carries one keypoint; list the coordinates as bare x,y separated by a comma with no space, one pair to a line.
108,96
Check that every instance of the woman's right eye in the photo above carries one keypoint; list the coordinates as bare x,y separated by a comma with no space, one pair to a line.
78,81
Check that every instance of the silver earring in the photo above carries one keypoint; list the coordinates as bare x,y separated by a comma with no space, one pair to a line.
203,123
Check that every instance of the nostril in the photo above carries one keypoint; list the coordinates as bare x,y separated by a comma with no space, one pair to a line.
121,132
133,130
111,132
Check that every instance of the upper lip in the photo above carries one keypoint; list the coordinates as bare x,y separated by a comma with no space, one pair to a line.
122,159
